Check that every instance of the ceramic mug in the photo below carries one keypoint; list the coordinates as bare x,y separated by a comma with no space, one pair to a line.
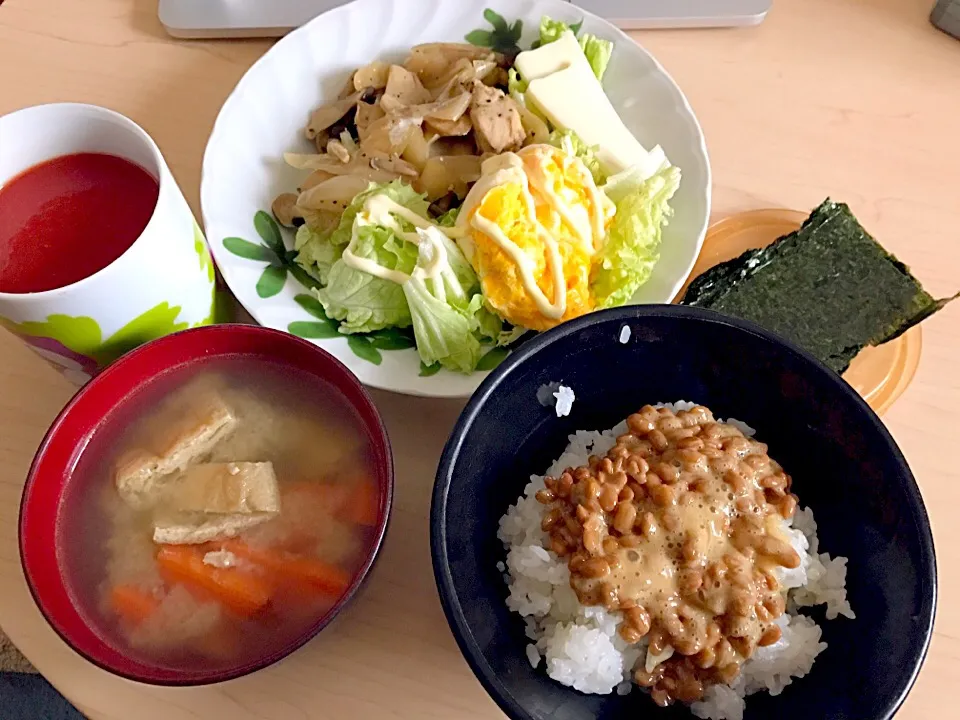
164,282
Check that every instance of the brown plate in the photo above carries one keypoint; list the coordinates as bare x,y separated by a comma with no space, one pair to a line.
880,374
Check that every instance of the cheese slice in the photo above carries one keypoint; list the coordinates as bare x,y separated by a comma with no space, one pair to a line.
564,88
550,58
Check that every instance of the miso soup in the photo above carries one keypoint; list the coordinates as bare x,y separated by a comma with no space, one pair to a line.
220,513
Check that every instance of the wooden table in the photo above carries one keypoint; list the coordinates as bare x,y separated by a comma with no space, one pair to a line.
856,99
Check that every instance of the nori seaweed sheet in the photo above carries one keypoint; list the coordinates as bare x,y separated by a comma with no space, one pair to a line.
829,287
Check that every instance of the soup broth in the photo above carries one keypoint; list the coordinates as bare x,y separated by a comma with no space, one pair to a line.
221,512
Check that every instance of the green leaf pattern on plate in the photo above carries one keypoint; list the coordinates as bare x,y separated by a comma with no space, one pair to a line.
248,250
503,38
282,262
271,281
314,330
363,348
269,232
312,306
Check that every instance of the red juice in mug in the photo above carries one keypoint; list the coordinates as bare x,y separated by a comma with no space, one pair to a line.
67,218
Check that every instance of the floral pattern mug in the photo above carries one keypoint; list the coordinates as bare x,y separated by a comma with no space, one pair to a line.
163,283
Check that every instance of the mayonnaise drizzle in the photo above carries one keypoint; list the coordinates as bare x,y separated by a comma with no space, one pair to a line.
511,168
501,170
591,235
383,211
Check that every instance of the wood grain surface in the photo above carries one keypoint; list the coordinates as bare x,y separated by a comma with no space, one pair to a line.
855,99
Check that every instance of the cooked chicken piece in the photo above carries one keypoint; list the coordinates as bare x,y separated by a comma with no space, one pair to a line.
495,119
215,501
194,430
405,88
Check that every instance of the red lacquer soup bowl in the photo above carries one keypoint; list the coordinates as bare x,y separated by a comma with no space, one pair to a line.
65,541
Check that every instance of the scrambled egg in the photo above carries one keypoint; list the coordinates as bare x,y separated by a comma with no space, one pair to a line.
568,212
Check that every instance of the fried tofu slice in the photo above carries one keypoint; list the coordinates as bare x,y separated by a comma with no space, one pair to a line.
192,432
215,501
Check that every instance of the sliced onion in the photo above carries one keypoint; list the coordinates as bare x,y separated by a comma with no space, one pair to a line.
328,115
334,194
405,87
393,164
432,61
450,128
449,173
417,150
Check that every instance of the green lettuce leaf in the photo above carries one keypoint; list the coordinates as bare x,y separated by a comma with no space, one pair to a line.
633,241
516,85
511,335
489,324
449,319
315,253
449,218
363,302
551,30
444,332
397,191
570,143
442,307
597,50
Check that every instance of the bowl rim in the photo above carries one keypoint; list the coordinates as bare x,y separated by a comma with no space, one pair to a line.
443,575
197,352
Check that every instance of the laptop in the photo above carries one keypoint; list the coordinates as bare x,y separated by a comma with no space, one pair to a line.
273,18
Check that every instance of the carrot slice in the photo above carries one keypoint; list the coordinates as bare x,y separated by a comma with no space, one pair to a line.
133,604
238,590
287,566
363,507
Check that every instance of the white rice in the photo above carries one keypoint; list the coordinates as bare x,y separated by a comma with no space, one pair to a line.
558,396
565,398
580,643
624,334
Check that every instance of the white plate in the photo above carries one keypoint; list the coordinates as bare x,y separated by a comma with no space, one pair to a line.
243,168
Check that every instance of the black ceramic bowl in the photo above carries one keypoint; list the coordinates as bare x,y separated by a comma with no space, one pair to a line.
843,461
